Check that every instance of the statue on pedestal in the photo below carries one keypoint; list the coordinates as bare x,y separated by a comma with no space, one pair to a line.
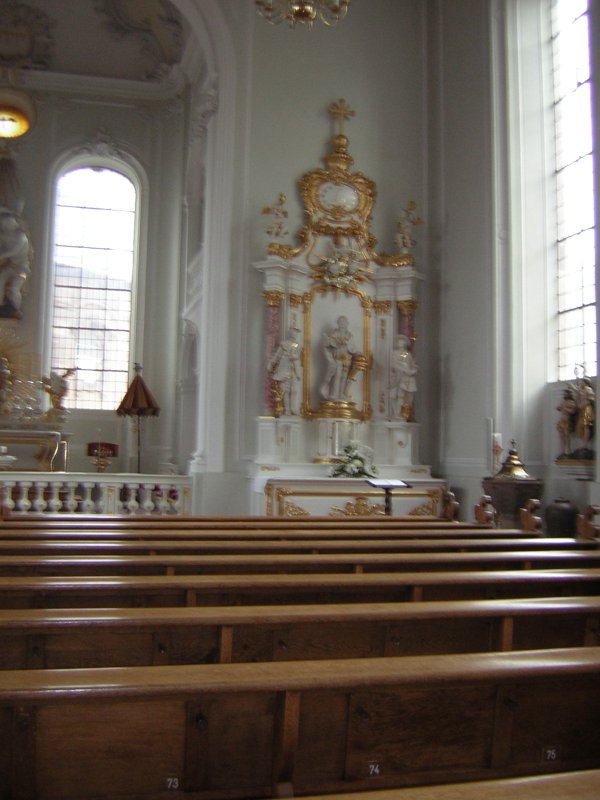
15,262
576,424
342,356
57,387
283,367
403,381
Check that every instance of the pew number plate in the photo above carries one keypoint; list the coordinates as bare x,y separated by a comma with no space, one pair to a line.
374,769
550,754
172,784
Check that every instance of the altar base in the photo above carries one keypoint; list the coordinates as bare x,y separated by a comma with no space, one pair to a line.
352,497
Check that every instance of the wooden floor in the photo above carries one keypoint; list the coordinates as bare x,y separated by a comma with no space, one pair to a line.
220,659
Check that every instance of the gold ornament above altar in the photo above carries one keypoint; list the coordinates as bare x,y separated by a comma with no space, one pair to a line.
337,206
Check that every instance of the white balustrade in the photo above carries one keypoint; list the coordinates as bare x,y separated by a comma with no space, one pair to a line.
91,493
39,501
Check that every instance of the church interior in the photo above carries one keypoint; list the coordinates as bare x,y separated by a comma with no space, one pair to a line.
298,485
223,123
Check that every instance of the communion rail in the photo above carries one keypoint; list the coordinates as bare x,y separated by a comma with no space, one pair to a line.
95,493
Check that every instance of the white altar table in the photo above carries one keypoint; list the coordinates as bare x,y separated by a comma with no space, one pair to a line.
352,497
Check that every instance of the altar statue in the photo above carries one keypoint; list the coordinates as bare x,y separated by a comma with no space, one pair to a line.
283,367
403,381
343,360
57,386
15,262
567,421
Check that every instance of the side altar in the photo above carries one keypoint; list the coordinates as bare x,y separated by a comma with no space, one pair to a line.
340,333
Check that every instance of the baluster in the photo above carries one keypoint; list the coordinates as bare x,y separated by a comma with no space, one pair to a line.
146,497
162,498
87,504
131,504
54,501
183,506
39,501
71,499
23,501
101,491
7,495
112,498
175,498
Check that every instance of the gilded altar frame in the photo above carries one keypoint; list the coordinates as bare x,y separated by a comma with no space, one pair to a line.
360,410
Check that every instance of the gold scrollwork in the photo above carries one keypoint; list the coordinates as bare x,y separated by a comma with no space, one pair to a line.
425,510
359,508
431,507
292,510
393,259
295,300
382,306
407,307
273,297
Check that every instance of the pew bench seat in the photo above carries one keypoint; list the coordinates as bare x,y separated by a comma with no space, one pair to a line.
283,532
169,564
61,639
89,547
243,730
226,590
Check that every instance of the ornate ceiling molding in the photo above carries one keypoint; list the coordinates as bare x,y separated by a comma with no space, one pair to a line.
102,145
156,24
26,40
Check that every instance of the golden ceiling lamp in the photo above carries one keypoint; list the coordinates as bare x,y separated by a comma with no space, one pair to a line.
330,12
16,114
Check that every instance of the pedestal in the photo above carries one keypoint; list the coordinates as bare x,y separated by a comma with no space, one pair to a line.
278,439
396,442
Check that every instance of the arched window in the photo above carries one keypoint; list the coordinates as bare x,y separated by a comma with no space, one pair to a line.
93,274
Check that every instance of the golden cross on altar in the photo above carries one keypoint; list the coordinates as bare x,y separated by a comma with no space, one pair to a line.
342,110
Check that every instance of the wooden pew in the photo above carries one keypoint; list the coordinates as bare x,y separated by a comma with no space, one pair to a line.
577,785
86,547
65,639
252,730
116,522
284,532
168,564
227,590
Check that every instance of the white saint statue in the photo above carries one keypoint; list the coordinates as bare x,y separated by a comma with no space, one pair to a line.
403,380
283,367
341,353
15,261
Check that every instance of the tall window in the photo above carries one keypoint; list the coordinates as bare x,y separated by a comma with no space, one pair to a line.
93,260
574,187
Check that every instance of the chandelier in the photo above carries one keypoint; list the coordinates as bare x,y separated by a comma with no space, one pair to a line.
330,12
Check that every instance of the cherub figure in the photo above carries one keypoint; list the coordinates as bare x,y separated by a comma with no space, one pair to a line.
409,218
57,386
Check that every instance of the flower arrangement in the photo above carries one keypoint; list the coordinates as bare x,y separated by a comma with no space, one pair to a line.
356,462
